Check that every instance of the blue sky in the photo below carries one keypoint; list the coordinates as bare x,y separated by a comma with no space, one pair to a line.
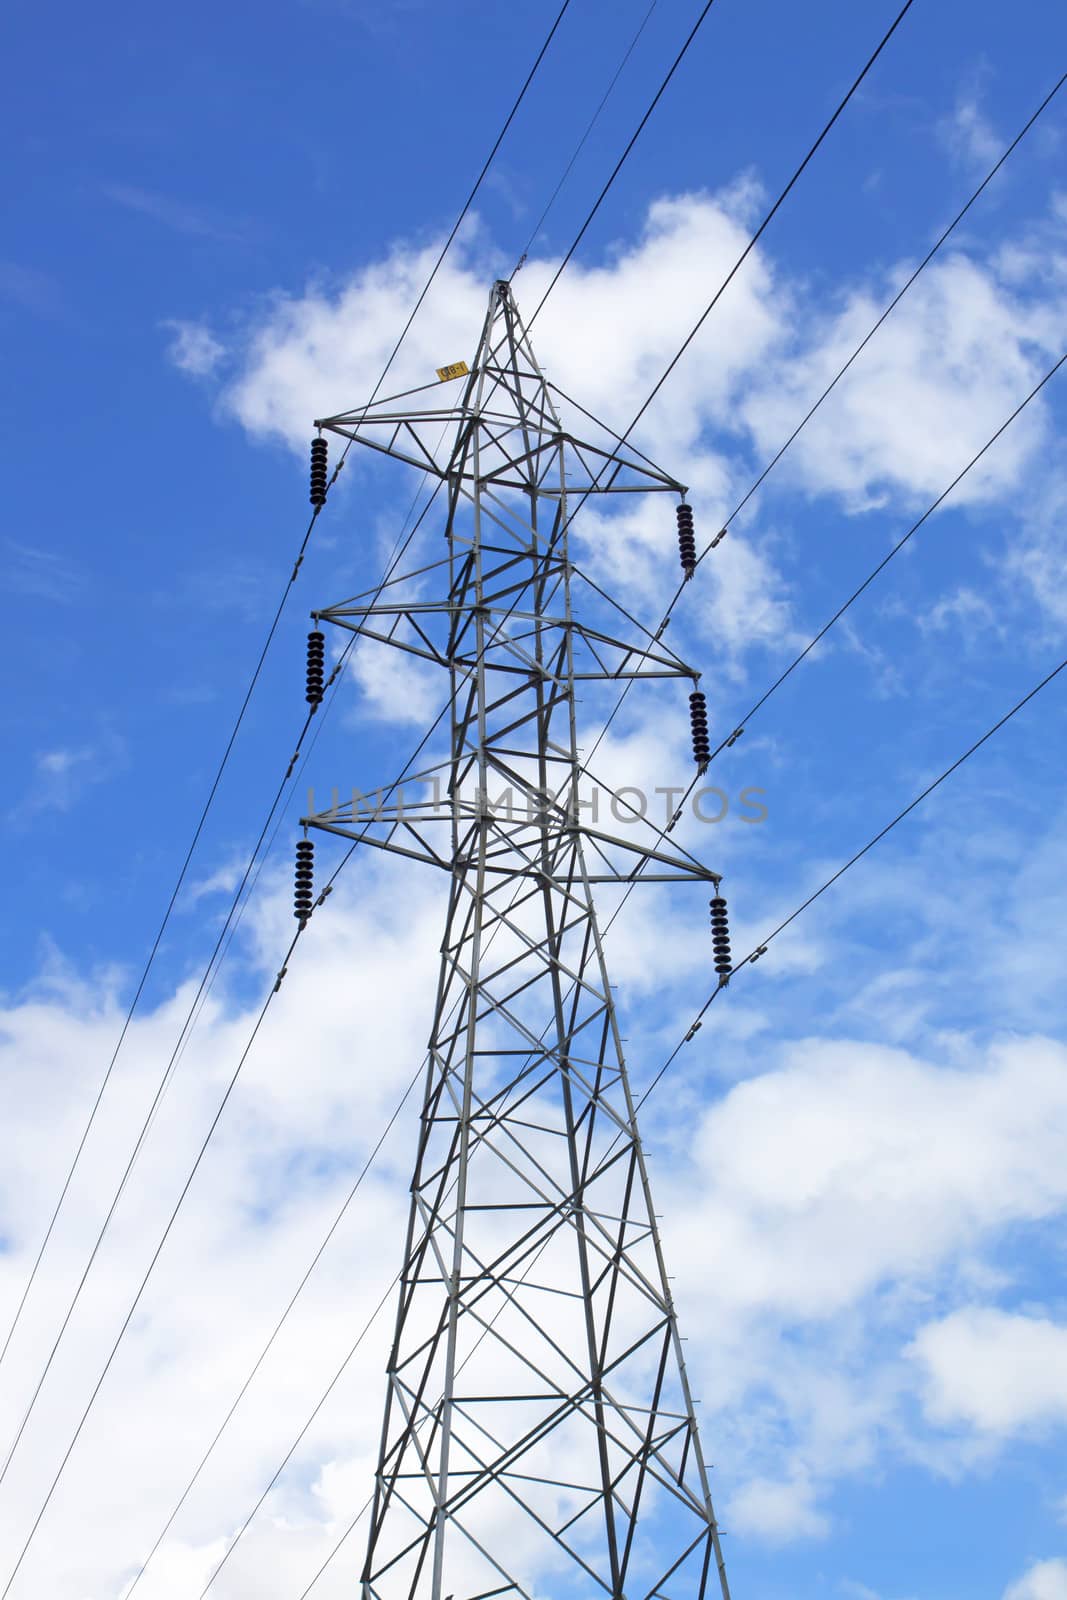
223,217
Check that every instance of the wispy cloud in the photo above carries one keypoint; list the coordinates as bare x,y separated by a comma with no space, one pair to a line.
39,574
63,773
194,348
30,289
967,133
174,214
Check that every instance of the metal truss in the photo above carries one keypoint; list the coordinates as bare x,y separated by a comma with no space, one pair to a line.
539,1434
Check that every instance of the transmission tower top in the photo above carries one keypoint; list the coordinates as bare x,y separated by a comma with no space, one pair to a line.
515,406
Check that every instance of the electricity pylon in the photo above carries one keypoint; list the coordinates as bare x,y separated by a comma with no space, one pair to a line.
539,1434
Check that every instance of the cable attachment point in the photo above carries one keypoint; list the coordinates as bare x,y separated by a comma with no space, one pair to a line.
762,951
687,545
318,471
694,1030
305,873
316,667
718,539
720,938
278,979
698,718
732,740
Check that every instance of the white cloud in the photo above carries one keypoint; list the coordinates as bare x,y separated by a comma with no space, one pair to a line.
194,349
396,687
961,349
823,1181
813,1214
63,773
777,1511
311,1103
993,1370
831,1191
957,356
968,133
1046,1580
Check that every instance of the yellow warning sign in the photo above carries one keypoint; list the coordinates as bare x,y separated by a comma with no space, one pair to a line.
458,369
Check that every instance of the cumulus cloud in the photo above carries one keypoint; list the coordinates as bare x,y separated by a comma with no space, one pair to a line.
958,355
960,350
993,1370
819,1205
824,1182
1046,1580
830,1191
778,1511
309,1107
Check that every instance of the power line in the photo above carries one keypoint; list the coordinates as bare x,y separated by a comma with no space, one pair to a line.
764,474
322,1401
760,949
580,146
251,687
901,292
623,438
601,197
188,1182
296,1442
206,981
859,590
136,1300
894,550
864,342
713,302
159,1247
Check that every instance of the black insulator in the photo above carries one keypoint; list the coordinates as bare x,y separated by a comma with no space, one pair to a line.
318,471
687,549
698,717
720,938
302,897
315,668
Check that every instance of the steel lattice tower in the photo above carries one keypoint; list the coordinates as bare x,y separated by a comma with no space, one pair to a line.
539,1435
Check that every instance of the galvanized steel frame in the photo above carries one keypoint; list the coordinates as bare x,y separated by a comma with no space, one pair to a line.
528,1150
